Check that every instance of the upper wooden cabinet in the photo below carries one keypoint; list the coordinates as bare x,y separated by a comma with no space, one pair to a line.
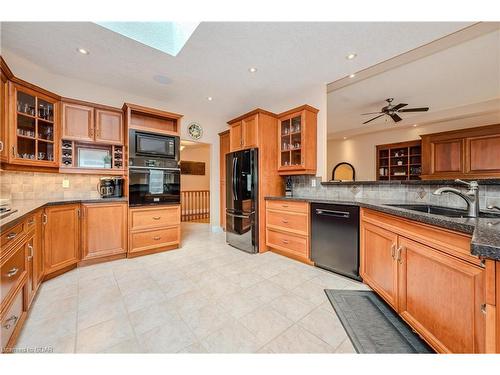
244,133
152,120
297,141
4,95
87,123
104,230
77,122
33,137
108,127
467,153
61,237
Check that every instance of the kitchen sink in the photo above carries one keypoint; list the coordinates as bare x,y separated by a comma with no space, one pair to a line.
443,211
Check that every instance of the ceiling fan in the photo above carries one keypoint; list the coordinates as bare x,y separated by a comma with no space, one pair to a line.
393,110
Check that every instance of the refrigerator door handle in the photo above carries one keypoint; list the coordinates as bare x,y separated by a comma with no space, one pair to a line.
235,165
332,213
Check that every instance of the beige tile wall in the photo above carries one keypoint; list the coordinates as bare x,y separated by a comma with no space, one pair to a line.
31,185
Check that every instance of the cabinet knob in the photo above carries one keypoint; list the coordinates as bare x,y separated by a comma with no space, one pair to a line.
12,272
156,238
156,217
10,322
284,221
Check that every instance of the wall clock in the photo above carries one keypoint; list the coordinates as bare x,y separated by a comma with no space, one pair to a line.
195,130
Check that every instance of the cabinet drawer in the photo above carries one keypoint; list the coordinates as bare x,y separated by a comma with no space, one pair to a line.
295,245
11,319
154,218
12,235
153,239
302,207
12,269
289,221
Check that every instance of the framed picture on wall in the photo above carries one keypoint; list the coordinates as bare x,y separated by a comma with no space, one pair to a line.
193,167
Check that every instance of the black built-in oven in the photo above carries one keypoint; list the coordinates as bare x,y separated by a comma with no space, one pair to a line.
154,173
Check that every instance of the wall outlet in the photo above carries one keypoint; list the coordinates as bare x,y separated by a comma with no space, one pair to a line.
65,183
313,182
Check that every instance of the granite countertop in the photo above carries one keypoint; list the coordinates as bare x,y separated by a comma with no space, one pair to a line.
485,231
25,207
492,181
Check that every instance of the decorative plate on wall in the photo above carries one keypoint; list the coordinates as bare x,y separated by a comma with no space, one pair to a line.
195,130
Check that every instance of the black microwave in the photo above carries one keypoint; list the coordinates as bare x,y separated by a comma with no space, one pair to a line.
153,145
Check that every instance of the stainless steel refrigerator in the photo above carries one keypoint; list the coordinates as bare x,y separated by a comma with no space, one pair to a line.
242,229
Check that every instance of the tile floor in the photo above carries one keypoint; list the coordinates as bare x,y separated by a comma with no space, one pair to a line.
206,297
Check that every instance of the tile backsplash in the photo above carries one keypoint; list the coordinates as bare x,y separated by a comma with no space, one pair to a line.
32,185
418,193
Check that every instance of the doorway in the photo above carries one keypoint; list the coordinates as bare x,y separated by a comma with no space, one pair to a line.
195,182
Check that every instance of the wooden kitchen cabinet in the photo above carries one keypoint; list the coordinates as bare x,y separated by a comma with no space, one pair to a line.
103,231
224,147
108,127
431,281
244,133
472,153
297,141
378,263
34,134
61,240
4,96
442,297
34,255
77,122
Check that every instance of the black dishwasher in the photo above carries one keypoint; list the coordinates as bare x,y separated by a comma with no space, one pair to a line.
335,238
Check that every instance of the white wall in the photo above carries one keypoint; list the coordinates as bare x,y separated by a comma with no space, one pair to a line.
83,90
360,150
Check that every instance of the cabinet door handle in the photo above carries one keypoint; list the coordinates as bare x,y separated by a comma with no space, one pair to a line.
284,221
1,146
393,251
284,205
156,217
156,238
399,254
483,308
10,322
11,236
12,272
13,152
30,247
45,219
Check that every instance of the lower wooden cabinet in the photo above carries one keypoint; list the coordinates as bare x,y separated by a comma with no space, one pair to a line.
104,231
61,237
154,229
34,258
439,294
11,322
378,266
287,229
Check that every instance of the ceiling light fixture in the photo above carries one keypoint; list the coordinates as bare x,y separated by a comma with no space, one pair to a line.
414,125
83,51
352,75
209,98
351,56
252,70
345,137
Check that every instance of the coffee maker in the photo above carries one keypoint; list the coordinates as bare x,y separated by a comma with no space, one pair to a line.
110,187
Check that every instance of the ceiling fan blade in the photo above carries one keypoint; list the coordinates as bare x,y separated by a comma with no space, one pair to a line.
366,122
400,105
422,109
370,113
395,117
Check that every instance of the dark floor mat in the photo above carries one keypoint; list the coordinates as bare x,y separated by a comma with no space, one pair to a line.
372,325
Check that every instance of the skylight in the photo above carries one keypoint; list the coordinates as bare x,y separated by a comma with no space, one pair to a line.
168,37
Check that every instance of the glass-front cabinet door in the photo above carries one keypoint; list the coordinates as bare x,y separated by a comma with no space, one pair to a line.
291,142
34,134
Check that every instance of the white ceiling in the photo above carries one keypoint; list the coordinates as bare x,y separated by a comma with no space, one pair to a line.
453,82
290,58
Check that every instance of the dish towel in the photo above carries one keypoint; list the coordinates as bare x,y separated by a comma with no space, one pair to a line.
155,181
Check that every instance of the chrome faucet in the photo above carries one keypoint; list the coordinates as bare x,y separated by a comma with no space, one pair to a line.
471,197
493,207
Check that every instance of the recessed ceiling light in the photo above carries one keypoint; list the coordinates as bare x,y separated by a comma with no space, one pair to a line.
414,125
351,56
252,70
352,75
209,98
164,80
345,137
83,51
